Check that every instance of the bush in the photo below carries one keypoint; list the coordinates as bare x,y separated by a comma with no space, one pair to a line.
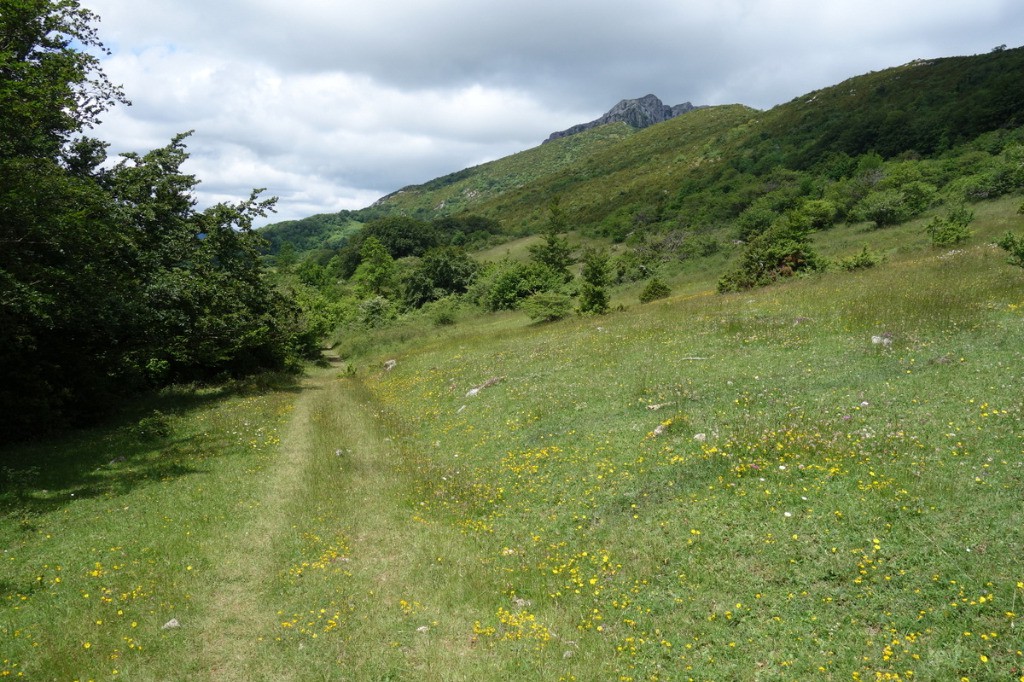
654,290
951,229
155,426
864,259
1014,245
754,220
634,265
885,208
821,212
375,312
782,251
510,282
443,313
547,306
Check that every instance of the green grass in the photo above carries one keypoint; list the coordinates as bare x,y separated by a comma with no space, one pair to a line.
706,487
818,507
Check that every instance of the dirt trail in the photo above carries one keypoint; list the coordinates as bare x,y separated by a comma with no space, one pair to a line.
234,608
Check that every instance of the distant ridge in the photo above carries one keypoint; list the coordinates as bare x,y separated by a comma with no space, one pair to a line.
638,113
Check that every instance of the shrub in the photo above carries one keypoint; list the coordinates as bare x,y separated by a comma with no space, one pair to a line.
951,229
654,290
754,220
782,251
634,265
1014,245
155,426
375,312
443,313
511,282
885,208
547,306
821,212
864,259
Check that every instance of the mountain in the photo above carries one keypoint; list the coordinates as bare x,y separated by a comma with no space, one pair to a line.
636,113
706,168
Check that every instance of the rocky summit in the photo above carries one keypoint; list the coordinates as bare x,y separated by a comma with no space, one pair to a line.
638,113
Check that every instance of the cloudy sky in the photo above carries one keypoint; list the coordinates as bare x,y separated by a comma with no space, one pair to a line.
330,104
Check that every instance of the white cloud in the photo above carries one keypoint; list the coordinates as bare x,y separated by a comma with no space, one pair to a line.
330,105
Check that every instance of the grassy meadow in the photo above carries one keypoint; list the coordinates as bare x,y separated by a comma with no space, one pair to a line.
822,479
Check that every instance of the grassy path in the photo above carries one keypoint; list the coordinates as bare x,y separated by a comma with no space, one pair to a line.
330,575
230,646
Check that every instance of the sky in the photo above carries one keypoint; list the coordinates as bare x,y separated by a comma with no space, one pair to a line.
330,105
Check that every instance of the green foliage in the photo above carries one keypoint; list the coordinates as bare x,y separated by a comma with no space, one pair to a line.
375,311
376,274
403,237
509,282
885,208
319,316
547,306
331,230
654,290
635,264
154,426
442,271
865,259
754,220
820,212
110,280
1014,245
287,256
444,313
596,276
782,251
951,229
555,253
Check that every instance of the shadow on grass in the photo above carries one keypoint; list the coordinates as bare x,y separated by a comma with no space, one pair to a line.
136,447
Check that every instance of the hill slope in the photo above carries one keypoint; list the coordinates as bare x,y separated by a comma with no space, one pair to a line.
672,169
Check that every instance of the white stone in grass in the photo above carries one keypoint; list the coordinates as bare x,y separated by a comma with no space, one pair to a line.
423,629
172,623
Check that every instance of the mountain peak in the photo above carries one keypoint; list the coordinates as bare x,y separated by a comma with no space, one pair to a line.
639,113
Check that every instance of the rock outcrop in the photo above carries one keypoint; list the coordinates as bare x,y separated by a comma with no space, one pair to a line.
638,113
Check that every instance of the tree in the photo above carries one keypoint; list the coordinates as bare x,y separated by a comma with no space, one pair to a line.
62,278
596,278
376,272
555,253
204,306
50,89
441,272
110,280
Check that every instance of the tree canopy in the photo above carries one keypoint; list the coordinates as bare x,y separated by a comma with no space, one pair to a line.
110,279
